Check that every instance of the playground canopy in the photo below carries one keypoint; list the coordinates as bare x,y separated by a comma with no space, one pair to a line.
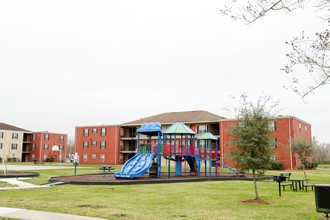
179,128
208,136
151,129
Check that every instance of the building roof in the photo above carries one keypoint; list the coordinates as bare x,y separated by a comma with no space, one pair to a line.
4,126
172,117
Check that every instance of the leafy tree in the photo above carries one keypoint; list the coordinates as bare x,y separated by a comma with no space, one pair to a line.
251,136
303,149
311,52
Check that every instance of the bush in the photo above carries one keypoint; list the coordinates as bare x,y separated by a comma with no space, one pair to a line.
276,165
311,165
11,159
50,159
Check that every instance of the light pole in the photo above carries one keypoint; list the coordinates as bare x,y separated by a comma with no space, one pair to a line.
56,148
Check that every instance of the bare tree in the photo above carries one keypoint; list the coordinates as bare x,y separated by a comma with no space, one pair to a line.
321,152
311,52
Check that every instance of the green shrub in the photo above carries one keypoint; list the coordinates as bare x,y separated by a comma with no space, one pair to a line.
11,159
50,159
276,165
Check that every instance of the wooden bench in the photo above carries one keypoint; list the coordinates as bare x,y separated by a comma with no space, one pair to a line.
306,185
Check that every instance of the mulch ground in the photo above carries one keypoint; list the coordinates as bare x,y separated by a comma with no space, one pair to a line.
109,179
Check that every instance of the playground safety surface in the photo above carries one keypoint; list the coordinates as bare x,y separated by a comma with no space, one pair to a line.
109,179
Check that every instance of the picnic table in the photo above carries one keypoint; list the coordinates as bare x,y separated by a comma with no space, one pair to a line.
106,169
298,183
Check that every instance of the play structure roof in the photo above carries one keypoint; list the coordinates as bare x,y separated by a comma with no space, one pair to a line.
207,136
151,129
179,128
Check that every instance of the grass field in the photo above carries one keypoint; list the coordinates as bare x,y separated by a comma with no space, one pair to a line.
198,200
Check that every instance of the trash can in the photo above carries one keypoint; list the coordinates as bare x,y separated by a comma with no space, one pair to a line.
322,198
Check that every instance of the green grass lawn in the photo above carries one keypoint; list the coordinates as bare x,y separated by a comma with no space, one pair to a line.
198,200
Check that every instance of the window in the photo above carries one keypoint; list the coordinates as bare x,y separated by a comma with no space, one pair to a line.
272,126
94,143
202,129
33,146
1,134
46,147
121,145
103,144
85,146
85,157
34,137
306,128
274,143
14,136
46,137
299,126
94,130
103,131
33,156
61,147
86,132
121,158
45,156
273,157
1,146
93,156
102,158
121,132
14,146
61,137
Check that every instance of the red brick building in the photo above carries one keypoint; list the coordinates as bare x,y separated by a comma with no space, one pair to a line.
21,145
115,144
98,144
284,130
42,144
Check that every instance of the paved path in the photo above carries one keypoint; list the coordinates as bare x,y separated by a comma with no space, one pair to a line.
19,184
39,215
34,167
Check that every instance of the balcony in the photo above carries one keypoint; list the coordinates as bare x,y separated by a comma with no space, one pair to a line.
128,150
26,150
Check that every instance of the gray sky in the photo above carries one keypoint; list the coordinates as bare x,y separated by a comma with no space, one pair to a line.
72,63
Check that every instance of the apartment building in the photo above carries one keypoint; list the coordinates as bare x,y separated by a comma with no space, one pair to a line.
42,146
21,145
121,140
98,144
14,142
283,129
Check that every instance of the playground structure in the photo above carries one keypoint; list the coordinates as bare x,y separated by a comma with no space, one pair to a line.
177,143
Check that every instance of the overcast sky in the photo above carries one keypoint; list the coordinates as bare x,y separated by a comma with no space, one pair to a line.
73,63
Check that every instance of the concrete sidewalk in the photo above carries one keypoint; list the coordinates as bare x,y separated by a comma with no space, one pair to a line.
39,215
19,184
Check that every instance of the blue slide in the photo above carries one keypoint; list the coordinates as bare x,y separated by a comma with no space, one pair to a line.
136,166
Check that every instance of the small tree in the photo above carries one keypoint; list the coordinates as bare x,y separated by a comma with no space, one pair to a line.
303,149
251,137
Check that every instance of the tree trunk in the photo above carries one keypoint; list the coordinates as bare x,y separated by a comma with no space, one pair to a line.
255,184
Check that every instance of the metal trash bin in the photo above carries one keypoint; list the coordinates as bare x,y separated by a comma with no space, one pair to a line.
322,198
